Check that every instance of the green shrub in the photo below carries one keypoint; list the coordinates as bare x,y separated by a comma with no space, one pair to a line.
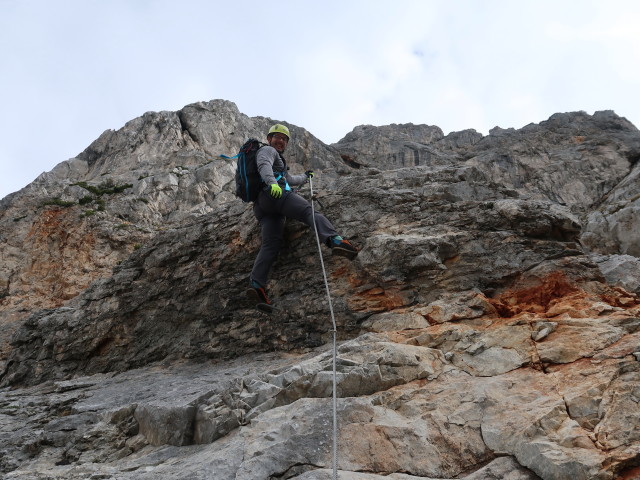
57,201
107,187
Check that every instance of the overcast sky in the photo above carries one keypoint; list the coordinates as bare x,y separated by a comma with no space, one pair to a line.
73,69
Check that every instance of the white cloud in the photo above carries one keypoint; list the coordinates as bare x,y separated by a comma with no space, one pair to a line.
76,68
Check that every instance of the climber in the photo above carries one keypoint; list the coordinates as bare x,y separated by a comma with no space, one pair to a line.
275,203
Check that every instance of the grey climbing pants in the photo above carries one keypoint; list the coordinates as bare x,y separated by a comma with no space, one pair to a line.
272,213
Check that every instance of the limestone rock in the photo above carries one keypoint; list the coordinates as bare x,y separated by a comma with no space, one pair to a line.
383,322
395,146
73,225
488,329
613,227
502,468
621,270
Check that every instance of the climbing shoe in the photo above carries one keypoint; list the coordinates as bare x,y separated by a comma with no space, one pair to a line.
340,246
258,296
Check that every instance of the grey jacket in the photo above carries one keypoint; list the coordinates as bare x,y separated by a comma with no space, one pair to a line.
269,161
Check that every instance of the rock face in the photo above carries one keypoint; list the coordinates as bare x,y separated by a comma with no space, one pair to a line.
488,329
72,225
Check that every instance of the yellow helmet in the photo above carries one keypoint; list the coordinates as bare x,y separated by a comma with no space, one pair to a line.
279,128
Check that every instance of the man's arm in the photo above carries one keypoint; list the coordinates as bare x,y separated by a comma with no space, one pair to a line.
265,158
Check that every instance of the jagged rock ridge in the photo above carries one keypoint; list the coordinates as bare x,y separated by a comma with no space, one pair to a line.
489,327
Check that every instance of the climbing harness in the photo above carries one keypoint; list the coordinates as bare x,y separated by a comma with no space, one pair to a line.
281,175
333,321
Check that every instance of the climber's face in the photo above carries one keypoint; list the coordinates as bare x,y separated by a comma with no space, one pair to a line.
278,141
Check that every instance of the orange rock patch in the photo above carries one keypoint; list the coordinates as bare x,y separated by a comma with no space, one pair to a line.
556,294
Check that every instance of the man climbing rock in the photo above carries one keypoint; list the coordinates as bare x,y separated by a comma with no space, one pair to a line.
275,203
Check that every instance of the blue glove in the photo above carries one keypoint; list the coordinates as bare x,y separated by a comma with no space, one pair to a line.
276,191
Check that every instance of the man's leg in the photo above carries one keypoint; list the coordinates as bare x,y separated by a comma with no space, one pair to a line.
272,227
296,207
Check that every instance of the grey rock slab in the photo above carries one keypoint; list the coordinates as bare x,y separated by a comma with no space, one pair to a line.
621,270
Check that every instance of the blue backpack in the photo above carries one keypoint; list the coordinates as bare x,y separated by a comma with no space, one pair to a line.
248,180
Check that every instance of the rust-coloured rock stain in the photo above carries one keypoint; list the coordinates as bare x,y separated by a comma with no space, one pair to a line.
367,297
61,247
534,299
633,474
556,294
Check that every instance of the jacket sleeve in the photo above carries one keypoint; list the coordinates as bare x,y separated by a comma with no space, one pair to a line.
296,179
264,161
